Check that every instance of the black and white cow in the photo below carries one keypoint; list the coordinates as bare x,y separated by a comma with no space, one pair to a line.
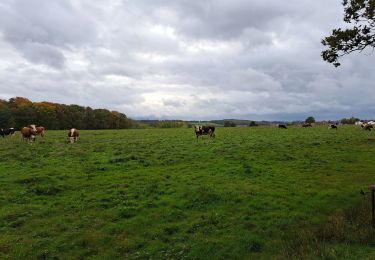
201,130
332,126
7,131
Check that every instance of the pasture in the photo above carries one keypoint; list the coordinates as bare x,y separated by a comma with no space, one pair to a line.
161,194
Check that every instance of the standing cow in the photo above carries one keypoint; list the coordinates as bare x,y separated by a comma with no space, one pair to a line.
204,130
40,130
282,126
29,133
367,127
7,131
73,135
332,126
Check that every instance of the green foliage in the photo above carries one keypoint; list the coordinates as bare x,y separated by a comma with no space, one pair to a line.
349,121
161,194
362,35
171,124
345,234
310,120
6,117
253,123
142,124
19,112
229,124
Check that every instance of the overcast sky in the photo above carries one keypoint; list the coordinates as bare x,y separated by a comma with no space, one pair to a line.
183,59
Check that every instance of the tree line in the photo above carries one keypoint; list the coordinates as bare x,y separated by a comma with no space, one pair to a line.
19,112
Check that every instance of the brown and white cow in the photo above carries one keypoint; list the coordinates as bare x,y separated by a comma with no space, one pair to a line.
73,135
40,130
201,130
28,133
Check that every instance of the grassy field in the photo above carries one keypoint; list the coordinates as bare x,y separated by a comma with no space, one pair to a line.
250,193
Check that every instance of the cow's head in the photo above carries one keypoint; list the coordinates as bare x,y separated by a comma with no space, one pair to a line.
33,131
33,127
196,128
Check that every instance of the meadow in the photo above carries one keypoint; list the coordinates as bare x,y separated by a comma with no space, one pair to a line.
259,192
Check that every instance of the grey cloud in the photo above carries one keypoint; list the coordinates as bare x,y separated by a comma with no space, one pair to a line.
42,54
217,19
173,103
40,29
182,59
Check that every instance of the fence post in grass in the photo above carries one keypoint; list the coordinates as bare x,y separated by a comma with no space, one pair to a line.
372,188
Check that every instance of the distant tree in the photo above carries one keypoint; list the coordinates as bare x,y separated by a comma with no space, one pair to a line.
89,118
76,117
19,112
362,35
18,101
253,123
102,120
310,120
6,117
46,115
171,124
24,115
229,124
349,121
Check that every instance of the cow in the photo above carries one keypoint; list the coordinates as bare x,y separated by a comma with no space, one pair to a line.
282,126
204,130
40,130
7,131
332,126
307,125
28,133
367,127
73,135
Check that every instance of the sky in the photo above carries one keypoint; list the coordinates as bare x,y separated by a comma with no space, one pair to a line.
183,59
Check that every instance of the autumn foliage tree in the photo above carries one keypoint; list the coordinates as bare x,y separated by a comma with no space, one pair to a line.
360,13
19,112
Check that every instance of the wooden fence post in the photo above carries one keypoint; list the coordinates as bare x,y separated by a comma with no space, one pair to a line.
372,188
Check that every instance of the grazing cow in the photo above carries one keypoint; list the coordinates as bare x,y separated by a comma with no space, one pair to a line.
7,131
28,133
307,125
40,130
204,130
73,135
282,126
332,126
367,127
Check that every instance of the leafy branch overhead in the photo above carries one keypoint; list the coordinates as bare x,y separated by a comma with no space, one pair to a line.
361,13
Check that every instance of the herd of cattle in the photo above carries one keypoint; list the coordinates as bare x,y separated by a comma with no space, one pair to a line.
210,130
364,126
30,132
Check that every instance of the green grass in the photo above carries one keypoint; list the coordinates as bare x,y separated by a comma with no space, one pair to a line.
160,193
